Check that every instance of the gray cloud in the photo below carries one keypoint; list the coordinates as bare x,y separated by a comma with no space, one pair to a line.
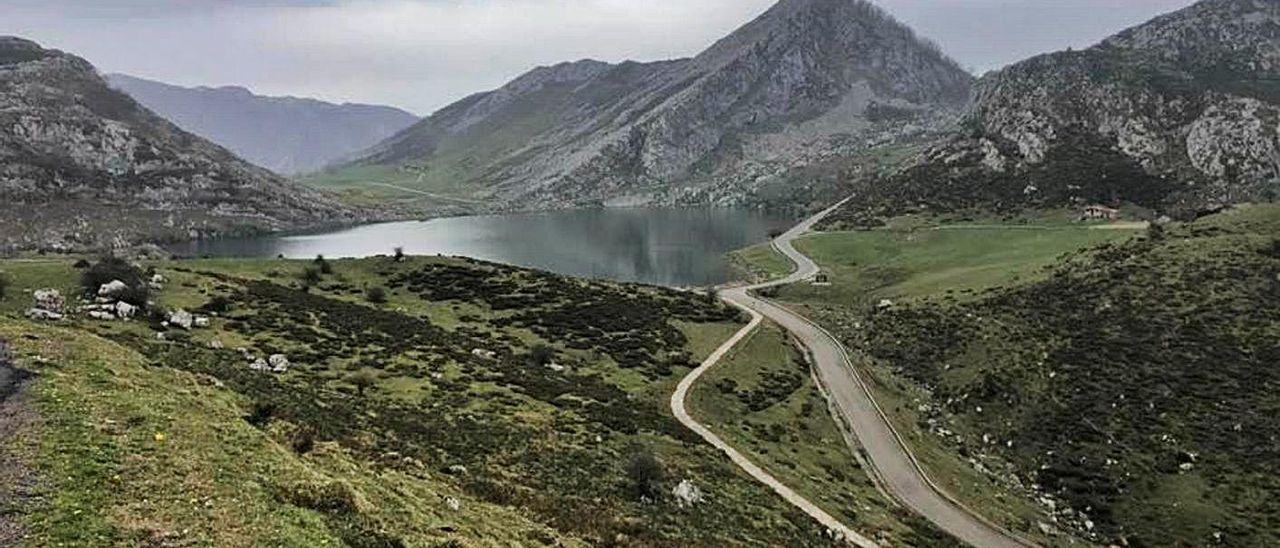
423,54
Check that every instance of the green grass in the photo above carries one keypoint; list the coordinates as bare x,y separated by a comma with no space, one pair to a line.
788,430
545,451
867,266
762,261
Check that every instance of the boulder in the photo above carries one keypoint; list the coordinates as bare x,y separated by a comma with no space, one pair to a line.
453,503
485,354
102,316
687,494
41,314
279,363
201,321
113,289
260,365
125,310
181,318
50,300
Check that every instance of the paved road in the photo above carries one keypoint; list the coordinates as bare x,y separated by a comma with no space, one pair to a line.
894,465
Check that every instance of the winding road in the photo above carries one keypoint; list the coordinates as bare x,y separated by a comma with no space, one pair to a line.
896,469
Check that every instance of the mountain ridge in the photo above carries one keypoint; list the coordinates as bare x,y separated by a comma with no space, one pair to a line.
285,134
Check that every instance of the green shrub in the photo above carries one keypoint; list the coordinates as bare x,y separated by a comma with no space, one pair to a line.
311,276
646,473
4,284
323,265
109,269
376,295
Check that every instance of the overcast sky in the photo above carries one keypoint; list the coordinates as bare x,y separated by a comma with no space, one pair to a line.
423,54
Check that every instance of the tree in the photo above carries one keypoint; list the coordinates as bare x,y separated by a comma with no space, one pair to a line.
4,284
399,255
109,269
376,295
323,265
646,473
363,381
542,355
311,276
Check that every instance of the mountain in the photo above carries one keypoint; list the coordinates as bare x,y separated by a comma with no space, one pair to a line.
1179,114
85,166
284,134
806,80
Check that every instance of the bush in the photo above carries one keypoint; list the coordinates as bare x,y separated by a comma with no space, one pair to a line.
399,255
4,284
363,381
311,276
376,295
646,473
323,265
542,355
109,269
1272,251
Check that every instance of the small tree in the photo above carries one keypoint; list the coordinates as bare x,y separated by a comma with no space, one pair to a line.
376,295
363,381
646,473
110,269
1272,251
399,255
4,284
542,355
311,276
323,265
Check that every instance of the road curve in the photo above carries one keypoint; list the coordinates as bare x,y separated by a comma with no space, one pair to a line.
893,463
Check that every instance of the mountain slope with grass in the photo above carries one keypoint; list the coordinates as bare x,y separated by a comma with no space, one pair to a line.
287,135
1180,114
84,166
807,80
382,402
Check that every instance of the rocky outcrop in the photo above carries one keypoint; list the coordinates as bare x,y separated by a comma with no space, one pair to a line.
808,80
284,134
84,166
1180,114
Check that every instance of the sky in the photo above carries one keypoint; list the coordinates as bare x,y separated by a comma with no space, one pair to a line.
421,55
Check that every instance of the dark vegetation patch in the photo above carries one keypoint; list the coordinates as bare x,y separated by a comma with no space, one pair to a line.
1138,383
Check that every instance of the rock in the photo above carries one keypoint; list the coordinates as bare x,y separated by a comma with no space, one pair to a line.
687,494
103,316
158,280
884,304
181,318
260,365
215,344
41,314
456,470
50,300
453,503
200,321
556,367
482,353
113,289
1186,466
125,310
279,363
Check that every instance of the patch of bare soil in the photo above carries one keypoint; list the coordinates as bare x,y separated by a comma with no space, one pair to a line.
16,478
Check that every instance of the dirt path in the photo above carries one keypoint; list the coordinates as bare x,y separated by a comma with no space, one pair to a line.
16,480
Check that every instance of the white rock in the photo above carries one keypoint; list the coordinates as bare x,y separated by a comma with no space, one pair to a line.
125,310
279,363
687,494
1186,466
215,344
181,318
885,304
453,503
112,289
260,365
100,315
556,367
43,315
482,353
200,321
50,300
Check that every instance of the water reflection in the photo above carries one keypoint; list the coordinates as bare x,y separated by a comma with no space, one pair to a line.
662,246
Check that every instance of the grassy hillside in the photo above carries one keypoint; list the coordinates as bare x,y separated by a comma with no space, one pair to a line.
1126,390
393,426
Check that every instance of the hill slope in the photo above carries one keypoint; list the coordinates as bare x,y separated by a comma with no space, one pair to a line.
82,165
284,134
1179,114
805,80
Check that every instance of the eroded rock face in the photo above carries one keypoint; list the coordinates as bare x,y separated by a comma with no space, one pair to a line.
84,166
1181,112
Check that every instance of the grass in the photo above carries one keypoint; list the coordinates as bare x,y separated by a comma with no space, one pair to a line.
763,400
158,436
762,261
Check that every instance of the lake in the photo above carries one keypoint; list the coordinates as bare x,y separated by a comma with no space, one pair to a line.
674,247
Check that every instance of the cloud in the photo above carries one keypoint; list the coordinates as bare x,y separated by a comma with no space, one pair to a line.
423,54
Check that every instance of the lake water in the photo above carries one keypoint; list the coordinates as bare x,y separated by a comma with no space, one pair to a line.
675,247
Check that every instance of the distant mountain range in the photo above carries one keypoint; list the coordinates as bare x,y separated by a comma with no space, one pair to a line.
1181,114
806,80
284,134
83,166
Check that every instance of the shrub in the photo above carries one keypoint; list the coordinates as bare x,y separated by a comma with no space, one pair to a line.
1272,251
376,295
81,264
311,276
399,255
362,381
542,355
4,284
109,269
646,473
323,265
